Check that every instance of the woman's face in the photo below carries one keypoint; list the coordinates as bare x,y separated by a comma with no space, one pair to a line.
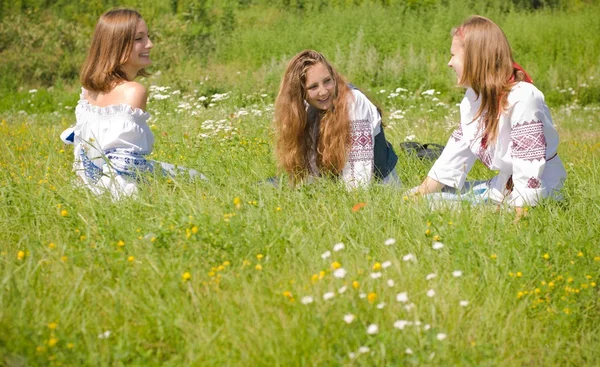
319,87
140,53
457,52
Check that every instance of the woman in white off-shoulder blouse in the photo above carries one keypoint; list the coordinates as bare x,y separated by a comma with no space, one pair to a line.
505,123
111,137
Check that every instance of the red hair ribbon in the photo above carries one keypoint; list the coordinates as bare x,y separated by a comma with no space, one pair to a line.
518,67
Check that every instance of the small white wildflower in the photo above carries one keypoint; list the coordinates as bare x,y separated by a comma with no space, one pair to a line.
410,137
342,289
351,355
390,282
464,303
399,89
389,242
348,318
362,295
338,247
441,336
430,293
402,297
408,351
307,300
364,349
437,245
426,327
409,306
328,296
33,91
401,324
104,335
372,329
409,257
381,305
386,264
428,92
457,273
340,273
376,275
430,276
325,255
382,91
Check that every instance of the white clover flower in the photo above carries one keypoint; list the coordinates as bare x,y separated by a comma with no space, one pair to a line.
457,273
402,297
430,293
437,245
372,329
441,336
430,276
338,247
376,275
339,273
325,255
401,324
464,303
408,351
386,264
409,257
381,305
328,296
348,318
390,282
364,349
389,242
307,300
342,289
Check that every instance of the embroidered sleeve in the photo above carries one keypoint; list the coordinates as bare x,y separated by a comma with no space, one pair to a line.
528,149
452,167
359,168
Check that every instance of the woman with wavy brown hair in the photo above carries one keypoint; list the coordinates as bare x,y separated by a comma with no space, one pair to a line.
505,123
326,127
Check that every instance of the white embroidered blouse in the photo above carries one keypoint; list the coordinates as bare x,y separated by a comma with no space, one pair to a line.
110,146
365,125
525,151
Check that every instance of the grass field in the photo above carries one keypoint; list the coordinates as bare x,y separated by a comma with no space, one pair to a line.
235,272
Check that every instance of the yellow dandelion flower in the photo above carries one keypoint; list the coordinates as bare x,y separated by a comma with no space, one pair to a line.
237,202
211,274
52,342
260,256
153,239
546,256
580,254
314,278
427,232
593,284
511,274
64,213
40,349
560,277
51,245
258,267
194,229
377,266
597,258
355,284
520,294
537,290
186,276
21,255
278,209
437,238
588,277
551,284
287,294
519,274
567,310
131,259
321,274
64,259
493,256
226,263
372,297
121,243
70,345
82,237
52,326
570,280
220,268
335,265
245,262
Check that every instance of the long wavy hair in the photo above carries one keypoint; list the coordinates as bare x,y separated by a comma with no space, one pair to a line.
294,119
488,69
111,46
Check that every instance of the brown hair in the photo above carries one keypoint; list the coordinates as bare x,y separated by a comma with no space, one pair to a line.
488,69
111,46
293,120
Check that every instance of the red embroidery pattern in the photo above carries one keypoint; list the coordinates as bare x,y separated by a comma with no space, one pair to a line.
457,134
484,156
362,141
528,141
534,183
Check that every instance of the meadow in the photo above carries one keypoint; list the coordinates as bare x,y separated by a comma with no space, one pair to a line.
232,271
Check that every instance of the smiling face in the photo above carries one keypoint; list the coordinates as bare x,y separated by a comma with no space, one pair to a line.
457,52
139,57
319,87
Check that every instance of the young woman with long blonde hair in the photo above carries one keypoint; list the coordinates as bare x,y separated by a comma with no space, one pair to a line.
326,127
505,123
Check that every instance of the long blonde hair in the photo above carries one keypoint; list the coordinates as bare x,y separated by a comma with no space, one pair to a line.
111,46
293,120
488,69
